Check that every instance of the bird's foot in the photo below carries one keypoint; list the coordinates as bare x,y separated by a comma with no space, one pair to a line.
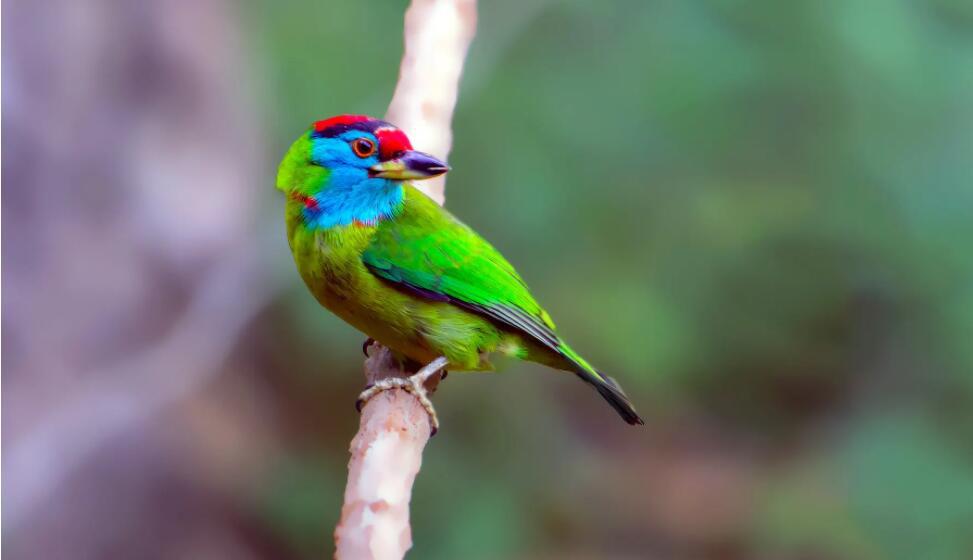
366,345
415,384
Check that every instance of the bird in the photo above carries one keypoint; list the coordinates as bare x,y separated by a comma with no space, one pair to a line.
384,257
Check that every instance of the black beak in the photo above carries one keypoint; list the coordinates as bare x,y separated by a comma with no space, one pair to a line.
410,166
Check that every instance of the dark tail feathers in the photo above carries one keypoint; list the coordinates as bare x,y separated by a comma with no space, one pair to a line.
611,392
606,386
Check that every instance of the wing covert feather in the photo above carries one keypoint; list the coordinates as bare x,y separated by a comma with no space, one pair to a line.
429,252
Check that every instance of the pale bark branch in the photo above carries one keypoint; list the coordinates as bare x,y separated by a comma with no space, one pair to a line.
386,453
385,458
437,36
132,284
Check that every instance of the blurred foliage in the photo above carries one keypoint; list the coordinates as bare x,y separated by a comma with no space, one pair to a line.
756,215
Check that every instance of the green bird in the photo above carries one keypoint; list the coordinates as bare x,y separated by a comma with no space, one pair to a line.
387,259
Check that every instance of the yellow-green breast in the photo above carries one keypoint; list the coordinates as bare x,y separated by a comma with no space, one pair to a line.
330,262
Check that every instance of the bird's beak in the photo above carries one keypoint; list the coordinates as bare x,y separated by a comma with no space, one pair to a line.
410,166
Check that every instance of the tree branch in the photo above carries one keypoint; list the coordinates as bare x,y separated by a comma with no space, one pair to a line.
437,36
385,458
386,453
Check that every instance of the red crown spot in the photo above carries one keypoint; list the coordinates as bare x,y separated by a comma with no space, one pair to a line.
321,126
391,141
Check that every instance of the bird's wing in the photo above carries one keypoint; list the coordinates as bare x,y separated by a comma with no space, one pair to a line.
429,252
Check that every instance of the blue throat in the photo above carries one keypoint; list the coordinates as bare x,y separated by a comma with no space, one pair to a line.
350,197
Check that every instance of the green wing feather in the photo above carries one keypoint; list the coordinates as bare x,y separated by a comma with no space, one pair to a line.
429,251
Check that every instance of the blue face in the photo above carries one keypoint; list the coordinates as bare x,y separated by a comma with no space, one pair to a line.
350,195
351,152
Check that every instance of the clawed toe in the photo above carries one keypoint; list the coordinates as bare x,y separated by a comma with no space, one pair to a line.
364,396
413,384
364,347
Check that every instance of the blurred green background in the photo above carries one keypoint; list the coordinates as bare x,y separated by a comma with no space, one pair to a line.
757,216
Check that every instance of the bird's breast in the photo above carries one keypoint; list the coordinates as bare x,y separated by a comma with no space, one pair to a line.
329,261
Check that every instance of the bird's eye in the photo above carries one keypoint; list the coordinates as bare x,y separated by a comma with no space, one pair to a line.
363,147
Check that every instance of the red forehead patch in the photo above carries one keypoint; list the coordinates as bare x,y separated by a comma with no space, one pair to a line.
321,126
391,141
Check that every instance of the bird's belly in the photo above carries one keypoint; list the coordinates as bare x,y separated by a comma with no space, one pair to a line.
418,328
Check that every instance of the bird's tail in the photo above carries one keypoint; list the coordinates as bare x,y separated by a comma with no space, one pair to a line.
606,386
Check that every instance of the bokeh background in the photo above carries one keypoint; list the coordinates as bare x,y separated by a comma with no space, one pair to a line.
757,215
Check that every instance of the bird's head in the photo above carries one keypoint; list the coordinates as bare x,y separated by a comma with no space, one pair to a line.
356,149
350,168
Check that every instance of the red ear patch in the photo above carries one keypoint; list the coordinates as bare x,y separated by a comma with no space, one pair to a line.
391,141
321,126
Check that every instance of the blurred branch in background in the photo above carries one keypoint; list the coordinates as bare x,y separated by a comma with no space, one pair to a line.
386,453
136,267
121,396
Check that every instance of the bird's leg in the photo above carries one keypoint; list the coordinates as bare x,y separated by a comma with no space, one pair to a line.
415,384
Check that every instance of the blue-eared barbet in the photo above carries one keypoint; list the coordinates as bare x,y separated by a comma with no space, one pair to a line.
391,262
